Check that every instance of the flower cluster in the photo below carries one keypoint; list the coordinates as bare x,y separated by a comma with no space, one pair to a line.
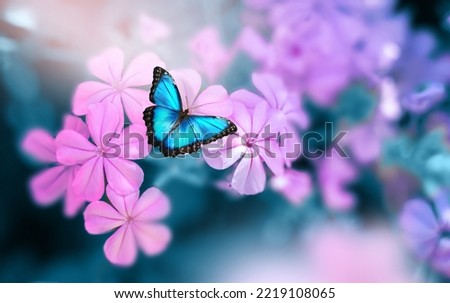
89,156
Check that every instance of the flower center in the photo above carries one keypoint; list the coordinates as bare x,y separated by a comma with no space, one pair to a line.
295,51
118,86
101,152
250,141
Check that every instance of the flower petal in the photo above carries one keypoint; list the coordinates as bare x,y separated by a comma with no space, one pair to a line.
41,145
188,82
267,121
271,87
224,153
271,153
48,186
124,176
132,143
76,124
121,248
73,201
209,56
249,177
249,99
137,73
100,217
251,42
123,204
152,238
135,101
420,226
151,30
104,121
290,144
241,117
90,180
441,202
90,92
294,185
337,198
152,205
213,101
108,65
73,148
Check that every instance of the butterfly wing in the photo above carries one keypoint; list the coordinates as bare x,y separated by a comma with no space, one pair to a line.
167,131
210,128
174,136
160,122
193,131
182,140
162,119
164,91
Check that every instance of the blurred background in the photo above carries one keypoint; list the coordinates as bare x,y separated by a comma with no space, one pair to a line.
344,226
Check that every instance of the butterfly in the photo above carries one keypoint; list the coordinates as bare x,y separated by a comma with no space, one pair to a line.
171,127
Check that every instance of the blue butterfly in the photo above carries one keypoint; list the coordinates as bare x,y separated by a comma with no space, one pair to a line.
171,128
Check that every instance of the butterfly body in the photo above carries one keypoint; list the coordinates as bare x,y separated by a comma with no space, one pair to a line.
171,127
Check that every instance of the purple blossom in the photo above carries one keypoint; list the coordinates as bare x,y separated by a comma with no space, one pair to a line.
426,97
419,75
426,227
279,98
250,148
318,47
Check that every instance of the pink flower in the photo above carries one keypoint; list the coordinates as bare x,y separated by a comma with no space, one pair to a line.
213,101
309,61
151,30
118,87
104,157
134,219
254,144
209,55
334,174
366,140
278,97
295,185
254,44
53,183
